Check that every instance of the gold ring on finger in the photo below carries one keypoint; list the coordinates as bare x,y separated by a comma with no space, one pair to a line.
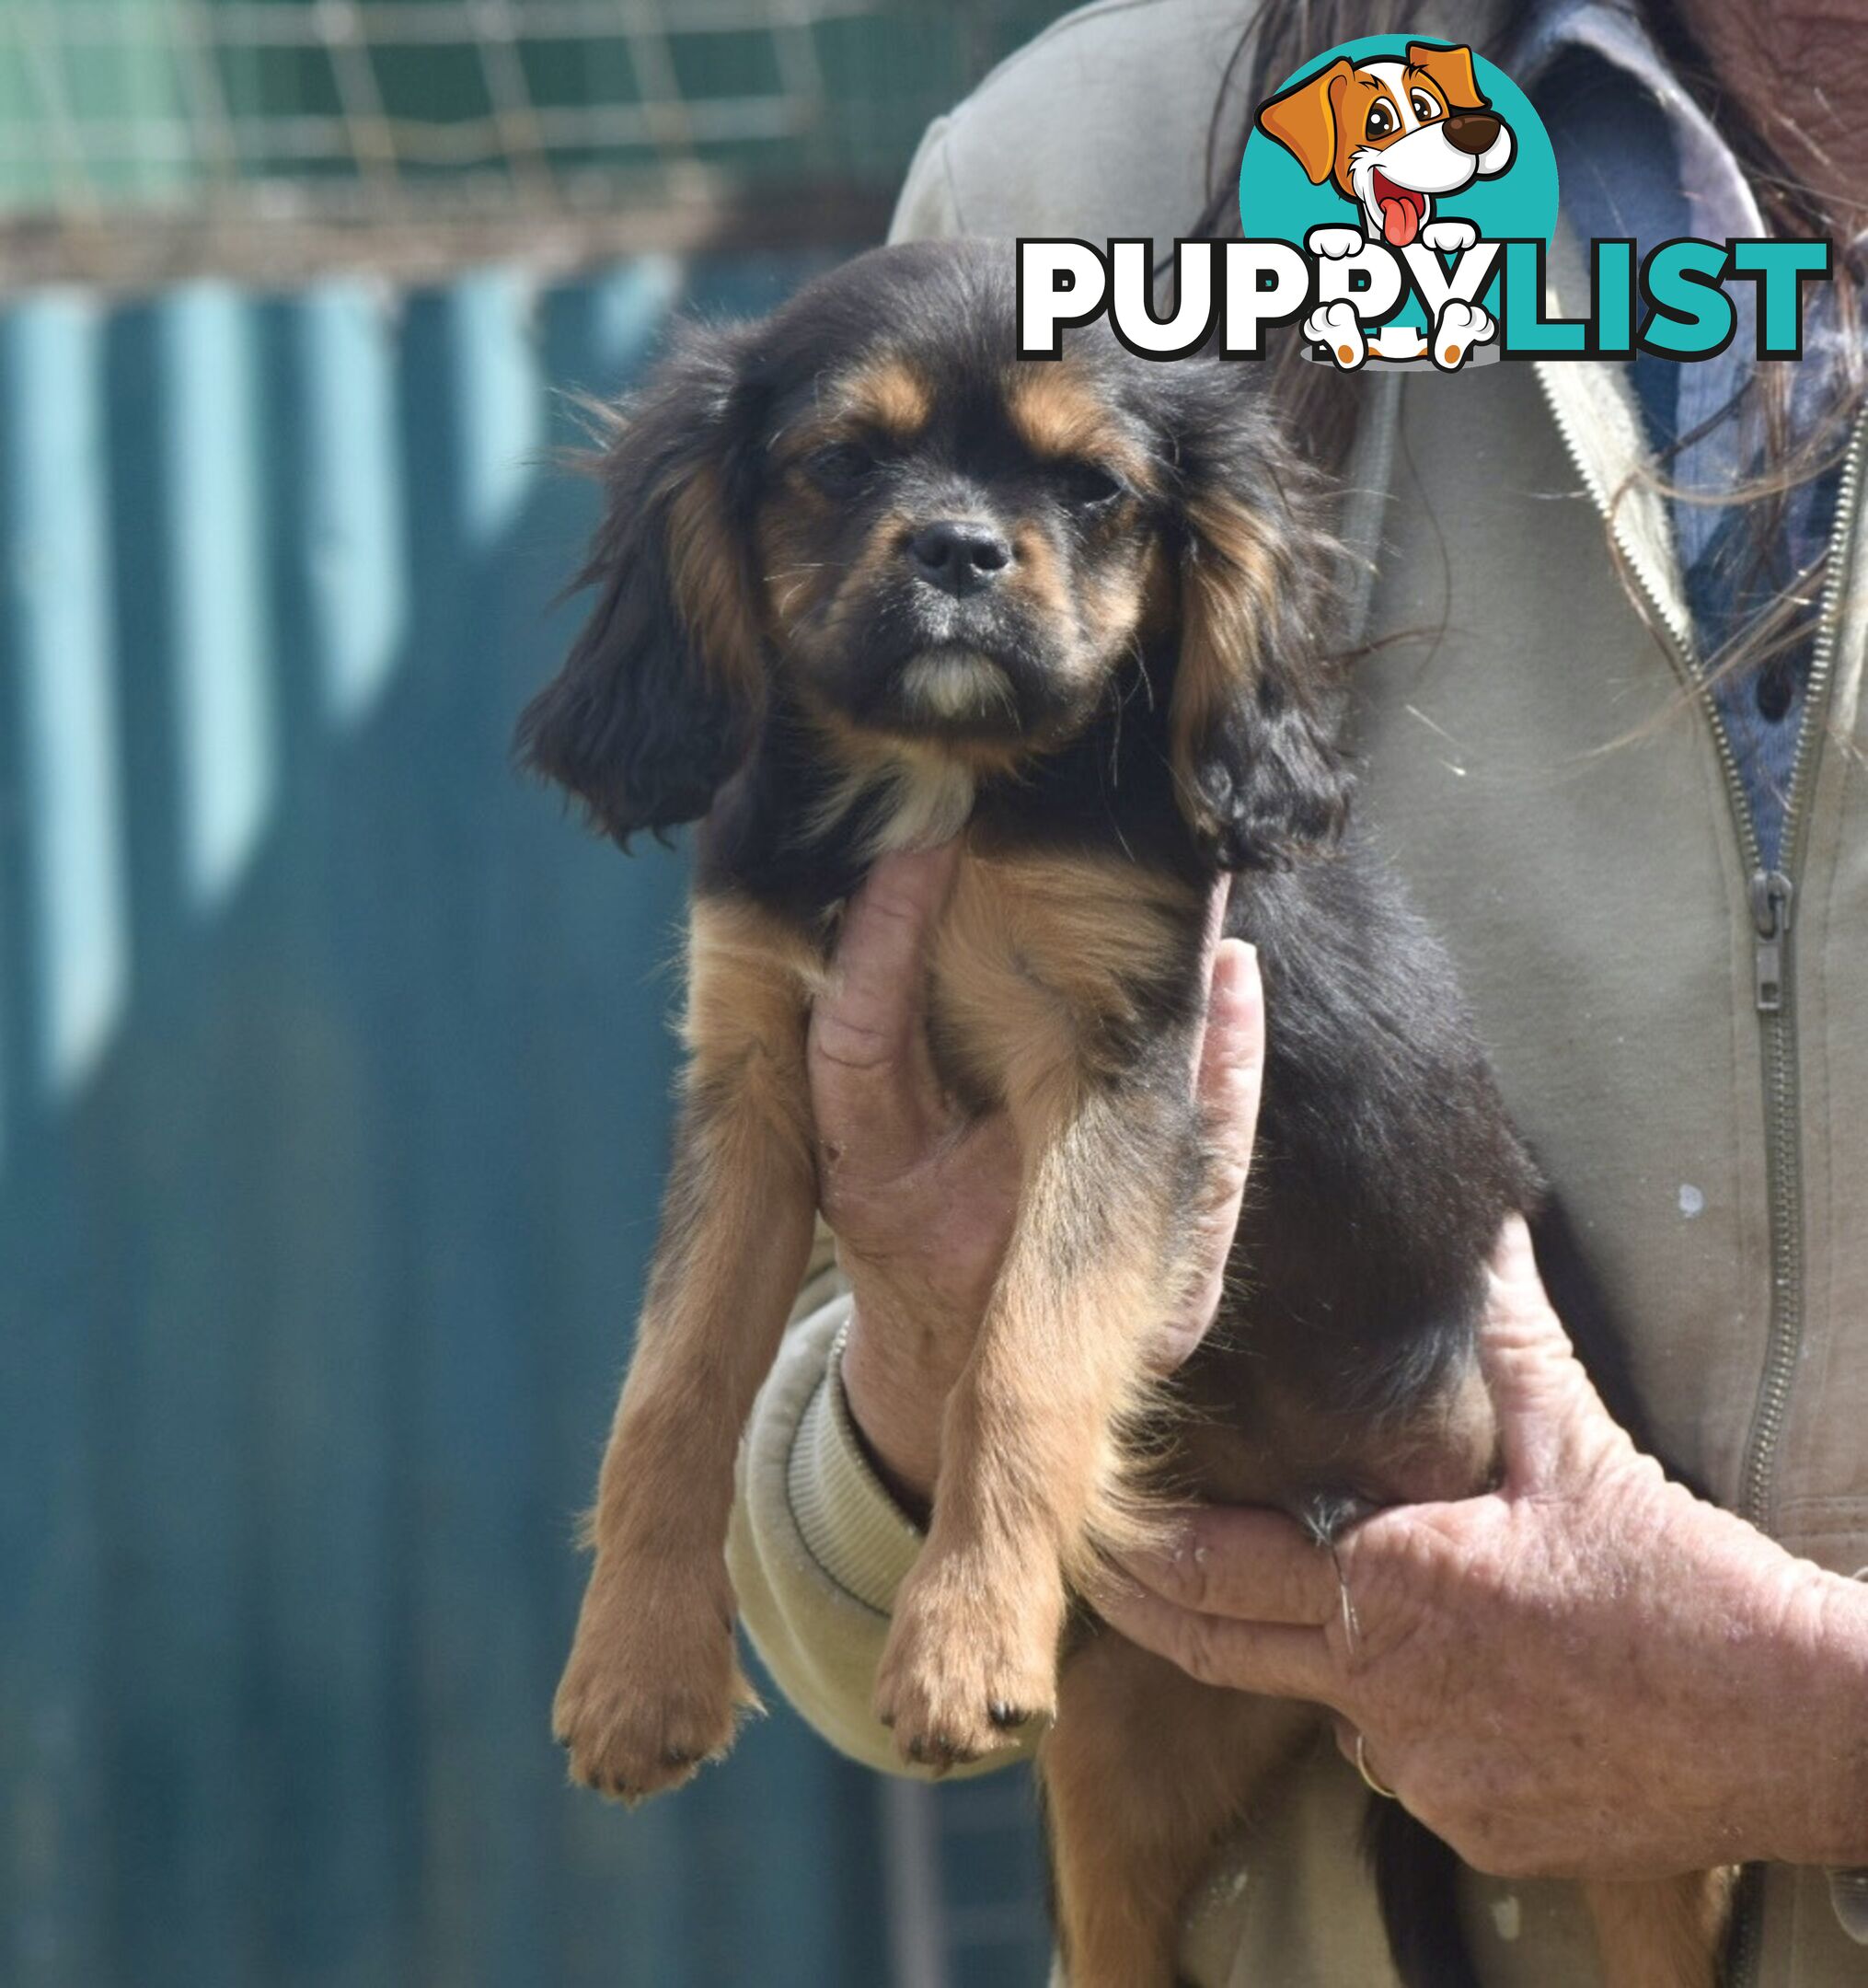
1367,1773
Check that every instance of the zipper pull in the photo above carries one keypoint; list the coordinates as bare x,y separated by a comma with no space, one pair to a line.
1771,893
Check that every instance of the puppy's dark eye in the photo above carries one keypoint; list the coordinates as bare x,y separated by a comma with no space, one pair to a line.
1087,487
840,469
1380,120
1425,108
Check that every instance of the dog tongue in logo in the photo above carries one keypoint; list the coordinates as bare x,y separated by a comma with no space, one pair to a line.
1401,208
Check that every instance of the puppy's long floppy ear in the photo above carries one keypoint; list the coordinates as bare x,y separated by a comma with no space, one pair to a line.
1304,119
1252,716
1450,69
662,691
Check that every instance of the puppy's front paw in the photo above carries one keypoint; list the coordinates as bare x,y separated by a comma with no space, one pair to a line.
971,1657
654,1686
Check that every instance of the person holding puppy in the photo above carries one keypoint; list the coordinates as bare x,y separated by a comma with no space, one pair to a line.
1614,743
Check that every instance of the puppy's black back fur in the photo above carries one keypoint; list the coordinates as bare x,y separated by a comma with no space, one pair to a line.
1385,1164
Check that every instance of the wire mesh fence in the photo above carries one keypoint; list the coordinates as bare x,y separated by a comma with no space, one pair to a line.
361,107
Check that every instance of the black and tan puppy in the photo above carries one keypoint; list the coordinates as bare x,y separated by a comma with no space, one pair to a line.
866,581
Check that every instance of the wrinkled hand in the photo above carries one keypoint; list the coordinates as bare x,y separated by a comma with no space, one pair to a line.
922,1199
1588,1672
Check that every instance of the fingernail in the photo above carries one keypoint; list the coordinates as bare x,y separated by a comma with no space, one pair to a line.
1236,960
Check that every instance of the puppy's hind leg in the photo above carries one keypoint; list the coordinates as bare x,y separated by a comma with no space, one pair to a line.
654,1684
1667,1933
1145,1774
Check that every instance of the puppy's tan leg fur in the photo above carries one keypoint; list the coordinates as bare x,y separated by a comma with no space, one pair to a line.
654,1686
1666,1935
1146,1773
1040,964
1029,1466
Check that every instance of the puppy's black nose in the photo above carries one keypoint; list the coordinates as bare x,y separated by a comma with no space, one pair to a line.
1472,130
962,557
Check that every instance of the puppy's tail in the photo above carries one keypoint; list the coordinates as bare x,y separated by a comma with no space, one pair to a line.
1417,1883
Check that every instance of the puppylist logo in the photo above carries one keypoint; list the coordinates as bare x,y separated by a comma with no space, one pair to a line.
1387,167
1399,198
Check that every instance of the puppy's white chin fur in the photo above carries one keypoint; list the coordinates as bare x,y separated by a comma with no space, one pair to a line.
926,804
956,683
925,797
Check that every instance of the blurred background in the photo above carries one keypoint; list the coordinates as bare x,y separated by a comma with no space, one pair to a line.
333,1062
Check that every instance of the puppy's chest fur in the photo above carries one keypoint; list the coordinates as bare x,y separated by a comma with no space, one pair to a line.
1069,954
1069,946
1056,967
1049,965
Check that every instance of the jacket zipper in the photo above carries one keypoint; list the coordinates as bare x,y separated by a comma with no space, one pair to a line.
1773,895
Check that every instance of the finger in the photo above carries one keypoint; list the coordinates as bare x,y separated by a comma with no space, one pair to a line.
1547,1407
1270,1658
1216,901
1514,1268
1237,1561
1230,1078
872,1086
1232,1056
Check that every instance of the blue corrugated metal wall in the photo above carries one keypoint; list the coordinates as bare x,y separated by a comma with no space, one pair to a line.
332,1110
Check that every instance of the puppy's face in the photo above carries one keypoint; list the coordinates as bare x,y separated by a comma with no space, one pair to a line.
867,513
957,553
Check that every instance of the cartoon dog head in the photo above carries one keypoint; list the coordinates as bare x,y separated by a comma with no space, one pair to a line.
1391,136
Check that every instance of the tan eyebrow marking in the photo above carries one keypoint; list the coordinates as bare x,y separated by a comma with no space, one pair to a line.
889,394
1057,415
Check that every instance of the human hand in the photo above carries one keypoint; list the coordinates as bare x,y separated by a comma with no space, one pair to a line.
1586,1672
922,1200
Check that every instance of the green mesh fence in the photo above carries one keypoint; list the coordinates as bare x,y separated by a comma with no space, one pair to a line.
349,104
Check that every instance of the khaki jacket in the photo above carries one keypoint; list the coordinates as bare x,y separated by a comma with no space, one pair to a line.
1542,774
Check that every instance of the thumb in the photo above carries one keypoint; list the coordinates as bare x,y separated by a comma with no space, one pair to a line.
1228,1081
1552,1423
873,1086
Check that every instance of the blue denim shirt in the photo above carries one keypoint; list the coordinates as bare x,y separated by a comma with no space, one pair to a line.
1637,158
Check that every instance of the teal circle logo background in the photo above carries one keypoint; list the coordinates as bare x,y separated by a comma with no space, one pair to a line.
1276,200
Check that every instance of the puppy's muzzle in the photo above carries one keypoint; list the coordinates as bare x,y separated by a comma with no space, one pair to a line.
959,556
1472,130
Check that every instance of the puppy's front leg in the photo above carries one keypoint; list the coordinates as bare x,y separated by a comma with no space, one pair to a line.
653,1686
1030,1472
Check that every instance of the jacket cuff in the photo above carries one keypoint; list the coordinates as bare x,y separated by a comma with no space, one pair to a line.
850,1526
1849,1888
